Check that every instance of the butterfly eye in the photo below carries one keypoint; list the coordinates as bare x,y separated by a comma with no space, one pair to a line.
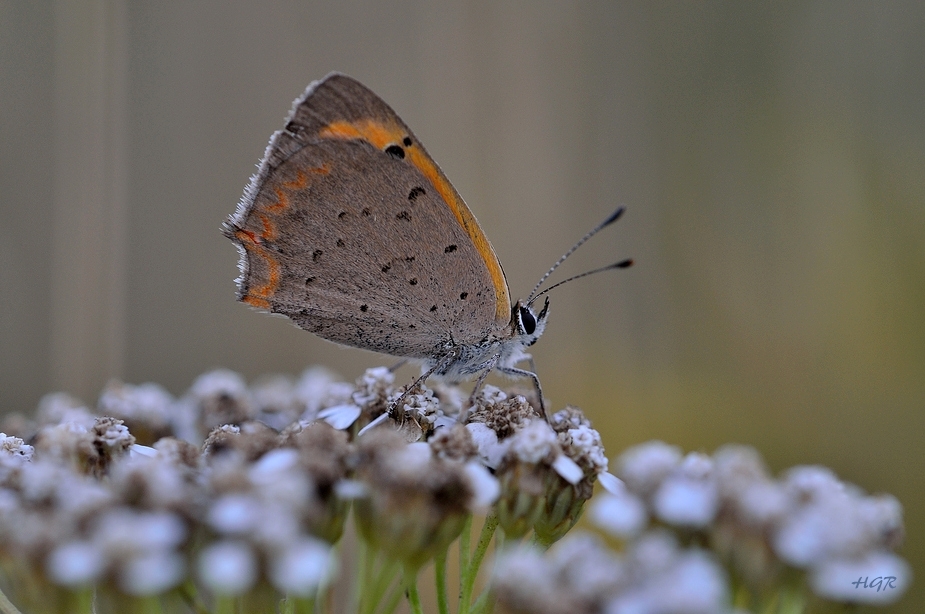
527,320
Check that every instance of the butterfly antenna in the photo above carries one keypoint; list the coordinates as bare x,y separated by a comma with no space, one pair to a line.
616,265
613,217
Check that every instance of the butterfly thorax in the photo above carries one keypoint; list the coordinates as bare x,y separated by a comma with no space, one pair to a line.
499,350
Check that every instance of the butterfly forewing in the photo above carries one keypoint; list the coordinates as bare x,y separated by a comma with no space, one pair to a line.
346,230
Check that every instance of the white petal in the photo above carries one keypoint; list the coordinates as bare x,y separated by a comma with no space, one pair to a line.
568,469
485,487
136,450
611,483
486,440
340,416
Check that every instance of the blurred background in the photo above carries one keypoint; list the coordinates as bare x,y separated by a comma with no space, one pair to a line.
771,158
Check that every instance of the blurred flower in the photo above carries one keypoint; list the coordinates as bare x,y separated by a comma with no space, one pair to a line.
145,409
642,468
318,388
302,567
275,402
688,495
874,578
415,502
218,398
228,567
620,514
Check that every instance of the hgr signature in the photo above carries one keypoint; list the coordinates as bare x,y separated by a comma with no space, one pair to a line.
879,583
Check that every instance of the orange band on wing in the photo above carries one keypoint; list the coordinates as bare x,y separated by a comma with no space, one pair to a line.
259,296
266,213
382,135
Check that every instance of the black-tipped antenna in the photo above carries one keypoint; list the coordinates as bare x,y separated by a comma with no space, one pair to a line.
616,265
610,220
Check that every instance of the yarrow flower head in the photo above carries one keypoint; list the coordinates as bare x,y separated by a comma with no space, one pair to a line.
233,496
416,499
546,472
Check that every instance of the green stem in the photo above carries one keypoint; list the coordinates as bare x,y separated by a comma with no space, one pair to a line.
394,597
443,605
482,605
464,538
380,585
358,598
472,570
411,585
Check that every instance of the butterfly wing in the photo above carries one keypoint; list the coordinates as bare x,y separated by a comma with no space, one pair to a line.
352,231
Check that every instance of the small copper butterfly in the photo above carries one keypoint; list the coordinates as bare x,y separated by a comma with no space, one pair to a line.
352,231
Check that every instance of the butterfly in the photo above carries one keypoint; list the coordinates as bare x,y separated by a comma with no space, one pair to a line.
351,230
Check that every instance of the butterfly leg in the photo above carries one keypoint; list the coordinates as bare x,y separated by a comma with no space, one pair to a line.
536,383
486,367
437,367
398,365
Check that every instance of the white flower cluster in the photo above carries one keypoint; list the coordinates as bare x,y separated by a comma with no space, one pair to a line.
580,575
239,487
233,496
806,520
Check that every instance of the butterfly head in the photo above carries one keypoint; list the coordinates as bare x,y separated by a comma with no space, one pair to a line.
528,325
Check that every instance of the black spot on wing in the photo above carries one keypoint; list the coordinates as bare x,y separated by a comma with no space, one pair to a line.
407,141
395,151
449,249
316,255
416,192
